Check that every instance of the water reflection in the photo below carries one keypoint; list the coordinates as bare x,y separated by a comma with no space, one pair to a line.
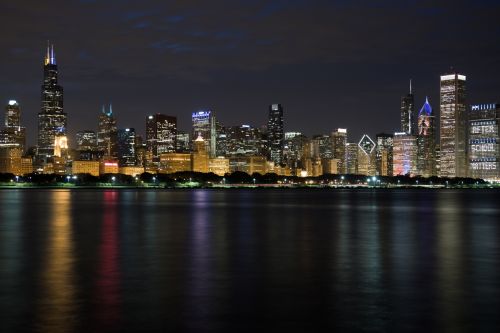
57,308
108,282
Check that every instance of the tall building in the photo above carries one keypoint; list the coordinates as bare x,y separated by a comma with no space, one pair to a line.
240,140
408,113
182,142
199,157
52,120
384,153
352,158
453,132
484,141
404,154
339,142
107,132
366,156
161,134
426,143
13,135
275,134
126,147
204,124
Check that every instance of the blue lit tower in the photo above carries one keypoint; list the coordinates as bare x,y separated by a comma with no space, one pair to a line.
204,124
52,120
426,143
275,134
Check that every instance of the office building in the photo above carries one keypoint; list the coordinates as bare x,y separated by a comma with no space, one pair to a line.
339,142
404,154
352,158
52,120
426,142
366,156
175,162
204,125
161,134
408,113
484,141
125,145
453,131
383,154
199,157
275,134
13,134
107,132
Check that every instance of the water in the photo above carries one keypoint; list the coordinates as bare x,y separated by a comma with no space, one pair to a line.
249,260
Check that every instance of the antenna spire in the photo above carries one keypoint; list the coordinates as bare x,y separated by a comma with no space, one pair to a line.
410,87
47,55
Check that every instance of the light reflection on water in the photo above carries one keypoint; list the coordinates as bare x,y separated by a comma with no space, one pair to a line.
247,260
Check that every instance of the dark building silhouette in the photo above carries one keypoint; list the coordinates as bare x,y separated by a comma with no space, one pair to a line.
275,134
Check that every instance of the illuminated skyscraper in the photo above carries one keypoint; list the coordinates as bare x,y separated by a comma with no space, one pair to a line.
126,146
484,141
204,124
52,120
404,154
86,140
453,132
275,134
384,153
426,143
107,133
339,142
352,158
366,156
408,113
13,135
161,134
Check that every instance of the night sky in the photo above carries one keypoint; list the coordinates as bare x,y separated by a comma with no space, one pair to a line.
329,63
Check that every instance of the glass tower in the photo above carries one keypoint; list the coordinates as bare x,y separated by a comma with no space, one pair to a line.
408,113
426,144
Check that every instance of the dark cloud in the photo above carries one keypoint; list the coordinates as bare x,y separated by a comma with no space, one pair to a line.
331,63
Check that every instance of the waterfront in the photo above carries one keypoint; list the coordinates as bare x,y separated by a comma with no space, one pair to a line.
247,260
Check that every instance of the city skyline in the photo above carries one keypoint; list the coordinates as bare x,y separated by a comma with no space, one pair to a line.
331,69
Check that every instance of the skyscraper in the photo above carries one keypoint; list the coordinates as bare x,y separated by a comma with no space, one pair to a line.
366,156
52,120
126,146
453,133
339,142
107,132
404,155
426,144
161,134
204,124
408,113
199,157
484,141
275,134
384,153
13,135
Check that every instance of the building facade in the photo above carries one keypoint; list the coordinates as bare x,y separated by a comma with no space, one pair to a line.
384,154
484,141
52,120
161,134
408,113
275,134
404,154
426,142
453,130
339,142
107,132
204,125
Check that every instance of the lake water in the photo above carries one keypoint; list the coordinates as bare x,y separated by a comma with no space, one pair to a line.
249,260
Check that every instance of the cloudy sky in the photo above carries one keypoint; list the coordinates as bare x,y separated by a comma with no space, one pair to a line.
329,63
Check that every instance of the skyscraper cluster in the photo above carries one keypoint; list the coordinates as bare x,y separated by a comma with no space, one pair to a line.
462,142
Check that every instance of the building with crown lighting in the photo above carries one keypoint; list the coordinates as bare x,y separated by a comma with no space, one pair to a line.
52,120
366,156
484,141
204,125
426,142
